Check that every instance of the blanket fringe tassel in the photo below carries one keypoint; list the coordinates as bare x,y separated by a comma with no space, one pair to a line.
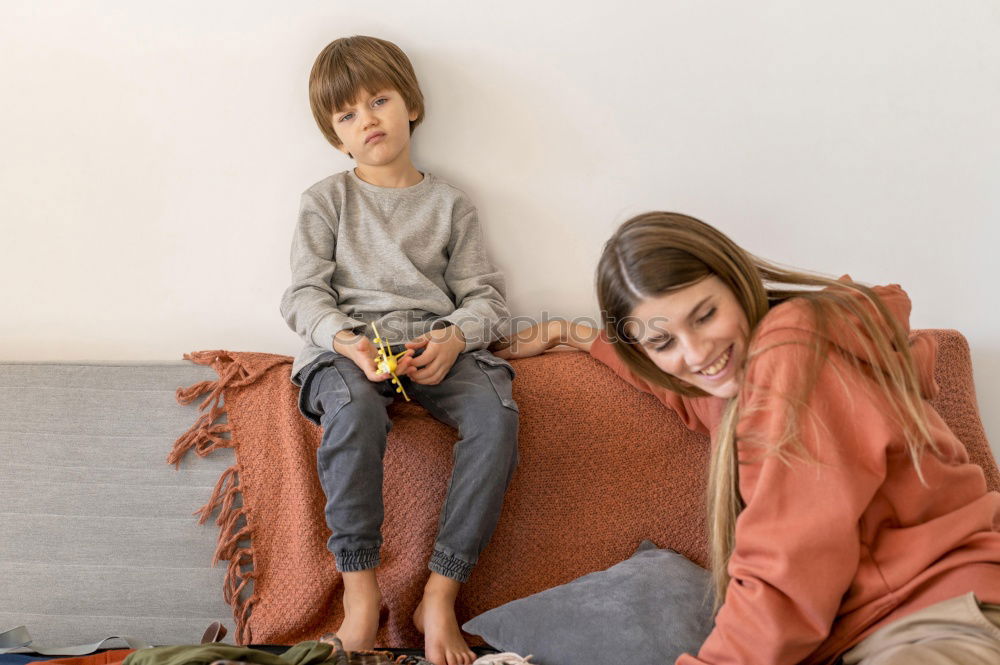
205,436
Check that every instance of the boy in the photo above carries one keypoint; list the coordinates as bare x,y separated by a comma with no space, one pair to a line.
385,244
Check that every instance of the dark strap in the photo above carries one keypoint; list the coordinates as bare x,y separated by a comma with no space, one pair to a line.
214,633
19,640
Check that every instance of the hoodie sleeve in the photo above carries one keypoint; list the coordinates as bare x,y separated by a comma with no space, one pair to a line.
309,305
603,350
798,540
478,287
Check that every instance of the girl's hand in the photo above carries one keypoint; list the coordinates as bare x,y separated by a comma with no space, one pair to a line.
541,337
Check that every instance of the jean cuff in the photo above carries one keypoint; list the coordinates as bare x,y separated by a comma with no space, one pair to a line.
350,561
449,566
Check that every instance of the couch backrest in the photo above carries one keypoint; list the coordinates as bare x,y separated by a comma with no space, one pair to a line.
957,401
96,532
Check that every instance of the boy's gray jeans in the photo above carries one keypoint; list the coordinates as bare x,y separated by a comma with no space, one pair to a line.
474,398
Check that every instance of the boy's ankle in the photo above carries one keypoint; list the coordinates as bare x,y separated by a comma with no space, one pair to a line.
361,587
441,589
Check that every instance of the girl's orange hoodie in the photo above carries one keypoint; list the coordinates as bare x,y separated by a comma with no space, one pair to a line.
831,548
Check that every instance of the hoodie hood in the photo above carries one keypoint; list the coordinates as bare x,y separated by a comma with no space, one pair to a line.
797,313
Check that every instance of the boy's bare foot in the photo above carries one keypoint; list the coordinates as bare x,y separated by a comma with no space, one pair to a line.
435,618
362,600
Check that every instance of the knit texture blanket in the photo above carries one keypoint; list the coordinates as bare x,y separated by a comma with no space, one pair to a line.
602,467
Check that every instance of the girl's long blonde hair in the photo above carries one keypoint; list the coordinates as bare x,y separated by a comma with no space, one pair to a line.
659,252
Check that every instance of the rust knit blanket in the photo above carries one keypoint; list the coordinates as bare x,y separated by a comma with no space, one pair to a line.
602,467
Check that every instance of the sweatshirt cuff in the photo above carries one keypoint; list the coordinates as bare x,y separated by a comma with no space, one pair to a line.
323,333
476,333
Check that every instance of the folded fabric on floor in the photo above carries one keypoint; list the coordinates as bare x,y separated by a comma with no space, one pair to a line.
20,640
305,653
110,657
505,658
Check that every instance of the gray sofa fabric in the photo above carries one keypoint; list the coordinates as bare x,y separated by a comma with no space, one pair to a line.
97,535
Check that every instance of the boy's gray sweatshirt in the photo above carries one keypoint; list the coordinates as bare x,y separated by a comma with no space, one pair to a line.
404,258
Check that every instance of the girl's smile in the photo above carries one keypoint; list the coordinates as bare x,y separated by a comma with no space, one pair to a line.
697,334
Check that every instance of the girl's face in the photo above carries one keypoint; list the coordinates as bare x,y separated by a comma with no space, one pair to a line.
697,334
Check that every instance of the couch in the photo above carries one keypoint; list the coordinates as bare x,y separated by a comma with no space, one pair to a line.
99,538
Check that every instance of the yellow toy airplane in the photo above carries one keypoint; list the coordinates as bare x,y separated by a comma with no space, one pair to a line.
386,362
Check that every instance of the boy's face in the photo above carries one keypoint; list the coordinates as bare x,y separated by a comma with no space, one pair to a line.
375,129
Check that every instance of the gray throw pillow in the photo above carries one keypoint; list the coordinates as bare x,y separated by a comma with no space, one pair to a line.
650,608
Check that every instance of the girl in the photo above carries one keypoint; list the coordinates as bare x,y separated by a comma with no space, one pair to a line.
845,518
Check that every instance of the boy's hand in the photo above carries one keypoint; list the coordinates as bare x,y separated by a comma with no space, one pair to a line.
362,352
441,348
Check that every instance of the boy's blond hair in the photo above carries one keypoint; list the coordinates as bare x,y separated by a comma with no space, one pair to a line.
350,65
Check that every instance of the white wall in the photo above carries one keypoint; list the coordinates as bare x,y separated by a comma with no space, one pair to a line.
153,154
